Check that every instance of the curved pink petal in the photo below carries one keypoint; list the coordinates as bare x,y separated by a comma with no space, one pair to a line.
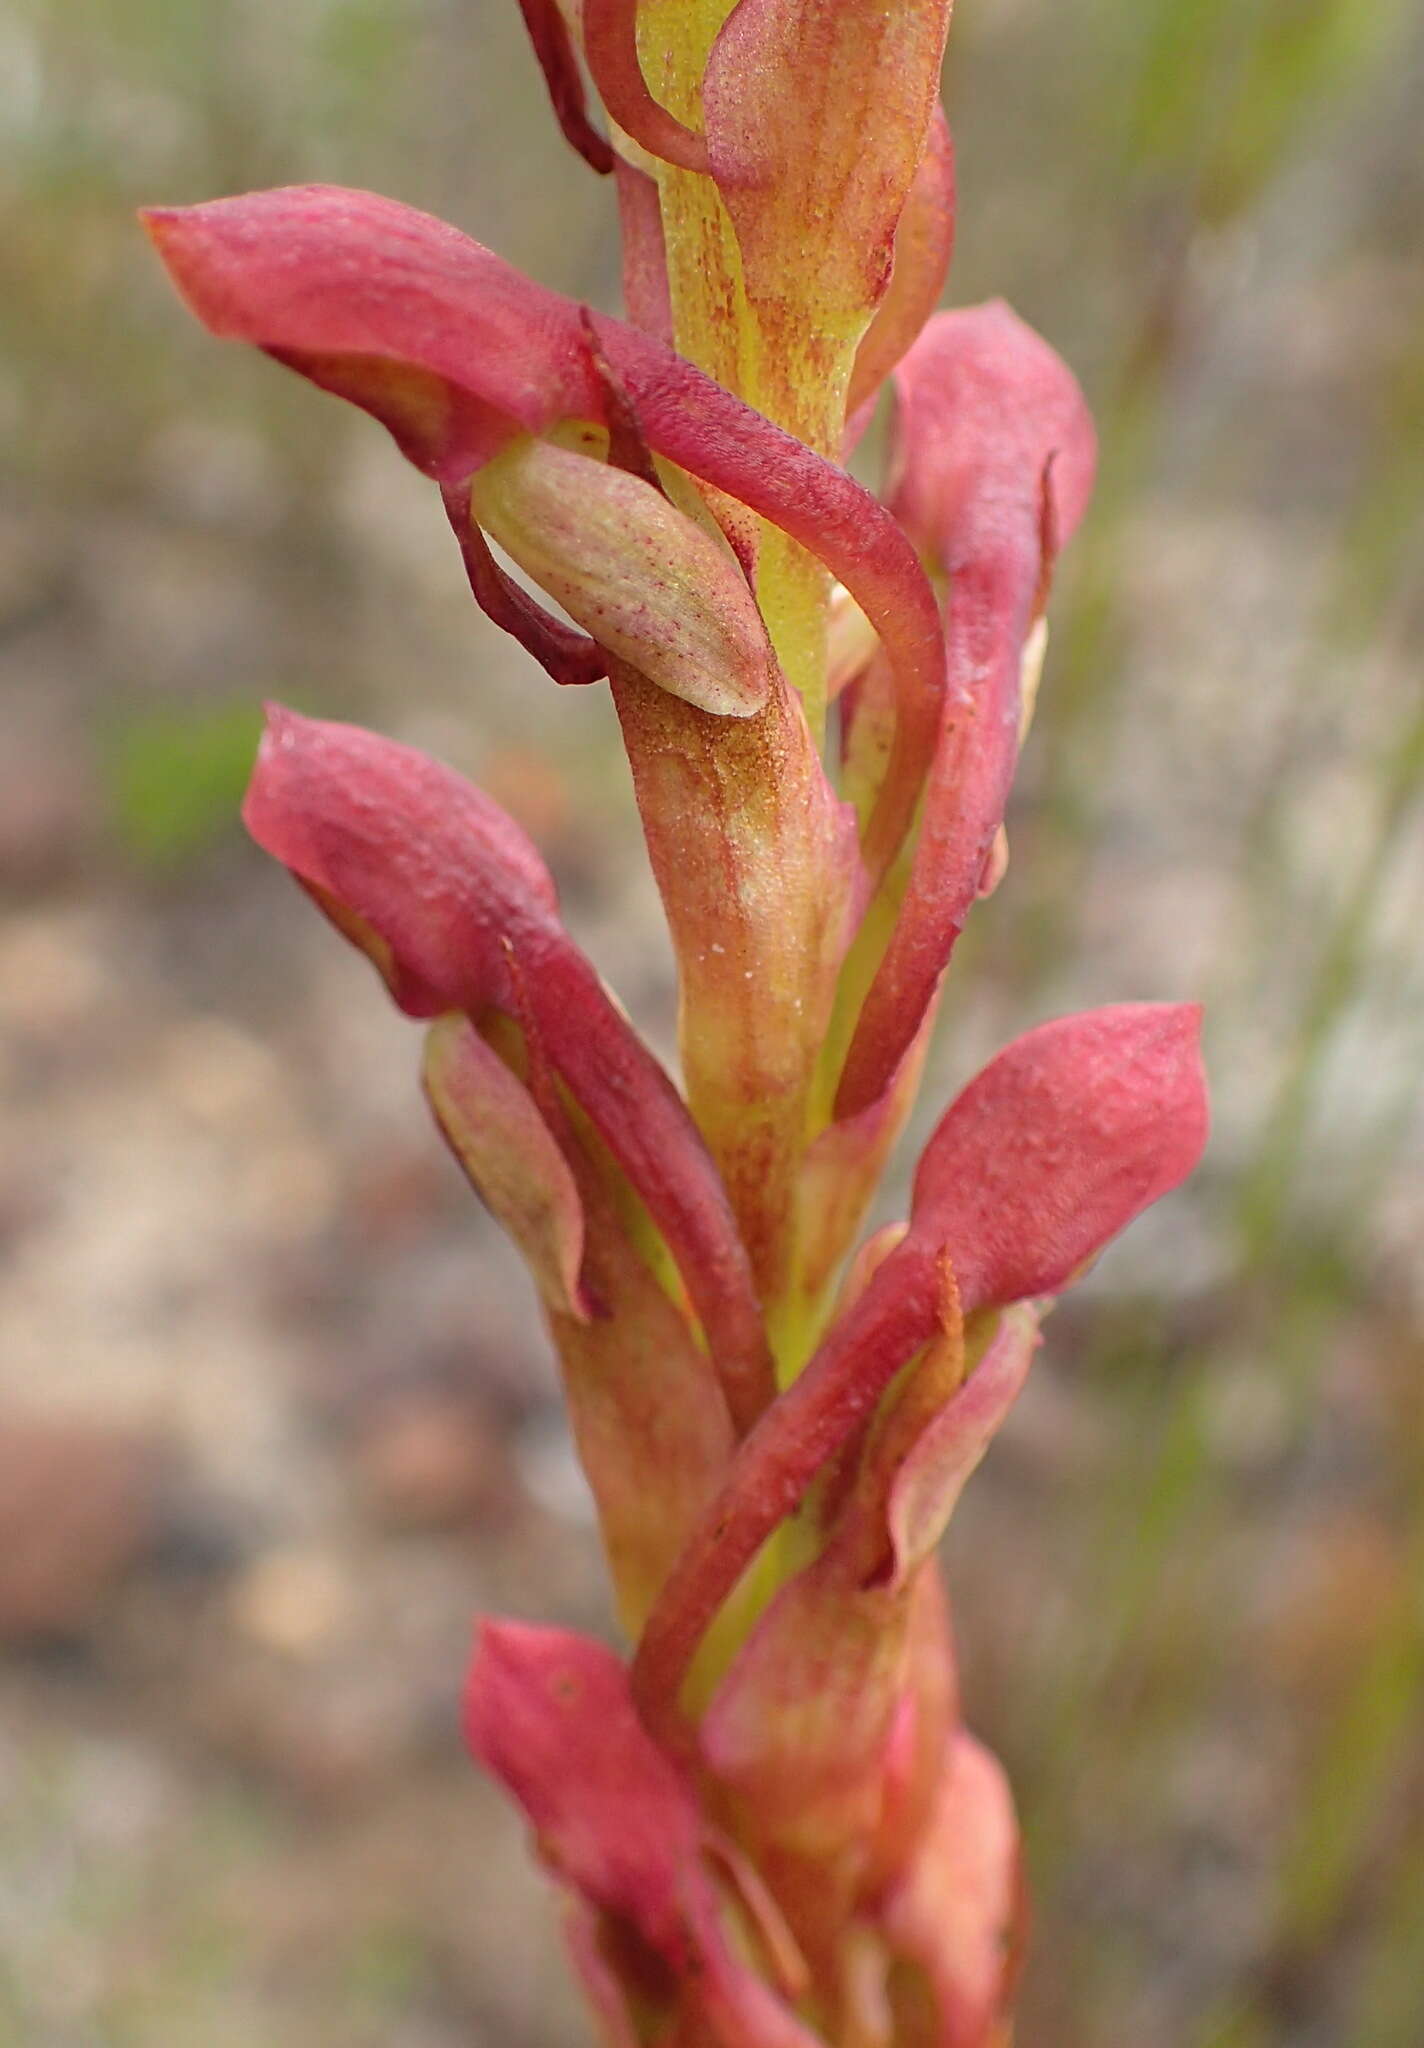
567,655
610,42
992,428
445,891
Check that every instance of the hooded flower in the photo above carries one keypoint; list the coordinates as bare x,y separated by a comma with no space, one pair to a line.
1068,1134
460,356
450,900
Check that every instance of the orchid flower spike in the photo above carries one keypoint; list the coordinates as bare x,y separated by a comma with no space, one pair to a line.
768,1820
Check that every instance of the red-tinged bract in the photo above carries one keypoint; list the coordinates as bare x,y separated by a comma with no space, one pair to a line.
770,1824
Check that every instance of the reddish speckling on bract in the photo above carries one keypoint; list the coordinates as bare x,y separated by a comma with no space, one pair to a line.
770,1823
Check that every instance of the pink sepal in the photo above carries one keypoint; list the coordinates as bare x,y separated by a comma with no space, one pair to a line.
1058,1143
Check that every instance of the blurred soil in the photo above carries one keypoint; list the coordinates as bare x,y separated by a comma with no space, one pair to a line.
276,1418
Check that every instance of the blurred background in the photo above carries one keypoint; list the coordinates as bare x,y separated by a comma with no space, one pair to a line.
276,1418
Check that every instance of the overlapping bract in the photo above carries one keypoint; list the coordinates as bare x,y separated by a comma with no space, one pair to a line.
773,1828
